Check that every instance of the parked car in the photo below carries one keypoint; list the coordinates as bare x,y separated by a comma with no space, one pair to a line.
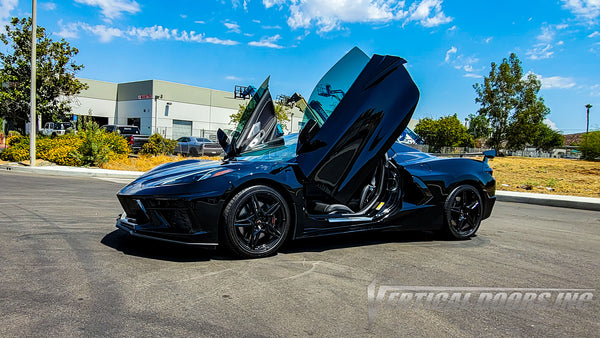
344,172
196,146
130,133
57,128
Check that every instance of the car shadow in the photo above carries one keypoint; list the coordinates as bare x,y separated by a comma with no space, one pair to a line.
159,250
154,249
360,239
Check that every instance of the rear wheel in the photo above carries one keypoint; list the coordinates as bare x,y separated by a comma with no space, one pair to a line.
463,212
257,221
193,152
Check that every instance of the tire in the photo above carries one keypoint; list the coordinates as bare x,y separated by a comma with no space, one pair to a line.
193,152
463,212
256,222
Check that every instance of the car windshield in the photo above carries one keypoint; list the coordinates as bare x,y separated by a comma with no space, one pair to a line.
284,152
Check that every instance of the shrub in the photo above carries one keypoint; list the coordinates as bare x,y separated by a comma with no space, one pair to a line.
98,147
590,145
158,145
91,146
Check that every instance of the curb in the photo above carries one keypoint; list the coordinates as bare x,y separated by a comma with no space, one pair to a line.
573,202
563,201
73,171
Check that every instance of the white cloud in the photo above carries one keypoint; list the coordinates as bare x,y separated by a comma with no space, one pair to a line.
595,90
233,78
112,9
451,29
543,49
236,4
554,82
217,41
473,75
449,53
488,40
183,16
233,27
459,61
540,51
271,27
269,42
48,6
69,31
594,34
429,13
199,22
104,33
156,32
551,124
331,15
585,10
6,7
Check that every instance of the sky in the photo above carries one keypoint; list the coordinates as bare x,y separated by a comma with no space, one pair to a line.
449,45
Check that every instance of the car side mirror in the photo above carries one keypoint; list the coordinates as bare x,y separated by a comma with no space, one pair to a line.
223,140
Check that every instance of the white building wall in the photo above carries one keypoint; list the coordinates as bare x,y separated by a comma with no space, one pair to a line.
141,109
97,107
204,118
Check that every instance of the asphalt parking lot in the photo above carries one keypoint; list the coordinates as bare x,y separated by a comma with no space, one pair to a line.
66,271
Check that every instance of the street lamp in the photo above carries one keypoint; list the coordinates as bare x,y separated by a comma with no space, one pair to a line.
587,124
32,114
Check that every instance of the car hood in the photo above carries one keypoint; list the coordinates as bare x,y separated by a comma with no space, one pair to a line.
175,173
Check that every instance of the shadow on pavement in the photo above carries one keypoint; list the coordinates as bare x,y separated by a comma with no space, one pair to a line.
153,249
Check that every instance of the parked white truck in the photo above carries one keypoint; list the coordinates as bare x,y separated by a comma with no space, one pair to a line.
56,128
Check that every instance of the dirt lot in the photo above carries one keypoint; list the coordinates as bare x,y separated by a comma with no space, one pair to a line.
547,175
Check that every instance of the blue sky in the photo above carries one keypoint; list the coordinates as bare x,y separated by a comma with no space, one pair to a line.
449,45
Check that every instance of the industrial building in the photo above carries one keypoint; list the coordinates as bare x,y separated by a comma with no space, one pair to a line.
168,108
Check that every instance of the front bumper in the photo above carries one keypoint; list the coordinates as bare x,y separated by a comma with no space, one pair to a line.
126,224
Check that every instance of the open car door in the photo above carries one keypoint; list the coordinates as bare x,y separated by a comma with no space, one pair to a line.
257,126
340,153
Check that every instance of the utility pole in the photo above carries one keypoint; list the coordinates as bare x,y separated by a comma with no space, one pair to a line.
32,113
587,120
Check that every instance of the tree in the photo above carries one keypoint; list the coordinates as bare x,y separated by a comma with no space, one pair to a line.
547,139
511,104
479,128
446,131
281,112
590,145
55,73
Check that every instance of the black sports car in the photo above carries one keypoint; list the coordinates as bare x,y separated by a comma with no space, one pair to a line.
344,172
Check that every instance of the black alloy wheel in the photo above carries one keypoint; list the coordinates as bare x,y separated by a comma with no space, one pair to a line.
463,211
257,221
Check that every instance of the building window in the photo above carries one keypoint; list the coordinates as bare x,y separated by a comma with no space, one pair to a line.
134,121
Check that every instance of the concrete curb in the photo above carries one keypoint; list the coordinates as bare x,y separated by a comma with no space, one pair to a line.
573,202
72,171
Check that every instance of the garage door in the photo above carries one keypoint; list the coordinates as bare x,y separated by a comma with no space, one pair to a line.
181,128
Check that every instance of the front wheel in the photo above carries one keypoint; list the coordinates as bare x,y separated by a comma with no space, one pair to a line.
463,212
256,222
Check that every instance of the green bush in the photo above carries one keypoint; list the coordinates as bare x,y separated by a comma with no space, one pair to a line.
91,146
590,145
99,147
158,145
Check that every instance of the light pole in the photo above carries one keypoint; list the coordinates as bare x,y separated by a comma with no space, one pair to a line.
587,120
32,115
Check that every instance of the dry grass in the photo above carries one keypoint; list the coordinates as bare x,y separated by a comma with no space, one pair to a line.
145,163
547,175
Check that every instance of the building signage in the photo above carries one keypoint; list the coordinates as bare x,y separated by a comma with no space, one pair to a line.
142,97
